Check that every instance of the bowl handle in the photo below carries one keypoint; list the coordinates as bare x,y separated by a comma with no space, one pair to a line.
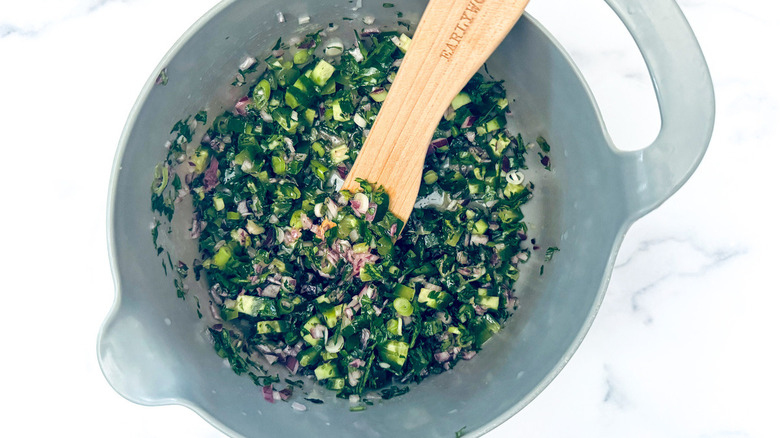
685,96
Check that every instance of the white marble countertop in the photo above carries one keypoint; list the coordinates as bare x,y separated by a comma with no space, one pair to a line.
685,344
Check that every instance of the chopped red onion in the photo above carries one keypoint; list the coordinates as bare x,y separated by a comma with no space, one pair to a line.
371,213
342,170
306,222
215,311
247,63
432,287
264,348
468,354
285,394
271,291
471,136
308,44
195,231
243,209
365,334
240,107
210,176
369,31
441,356
298,406
479,239
268,393
318,331
360,203
468,123
271,358
354,377
437,143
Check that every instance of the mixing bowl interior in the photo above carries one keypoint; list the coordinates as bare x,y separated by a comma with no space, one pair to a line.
155,350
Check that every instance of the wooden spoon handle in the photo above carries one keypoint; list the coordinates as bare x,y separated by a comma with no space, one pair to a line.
453,40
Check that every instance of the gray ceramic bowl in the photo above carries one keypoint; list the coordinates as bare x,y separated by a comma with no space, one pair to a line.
152,347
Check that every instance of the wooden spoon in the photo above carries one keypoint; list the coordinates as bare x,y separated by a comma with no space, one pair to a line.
453,40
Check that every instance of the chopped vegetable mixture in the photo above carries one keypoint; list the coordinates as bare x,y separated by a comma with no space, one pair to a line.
325,281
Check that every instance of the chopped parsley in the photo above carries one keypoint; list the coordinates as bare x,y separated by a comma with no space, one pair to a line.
324,281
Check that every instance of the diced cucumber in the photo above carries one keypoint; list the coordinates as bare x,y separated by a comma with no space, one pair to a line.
326,371
332,315
301,57
266,327
513,189
394,353
322,73
306,332
326,356
498,144
460,100
339,154
480,227
488,326
338,114
434,299
201,159
309,114
403,42
262,94
379,95
403,291
489,302
395,326
309,356
493,125
256,306
222,257
430,177
329,88
335,384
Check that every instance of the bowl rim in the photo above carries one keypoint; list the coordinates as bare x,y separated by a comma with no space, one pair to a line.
116,306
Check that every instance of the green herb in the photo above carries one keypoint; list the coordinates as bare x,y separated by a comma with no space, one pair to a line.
393,391
162,78
316,401
543,145
460,432
201,116
296,383
299,263
548,255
